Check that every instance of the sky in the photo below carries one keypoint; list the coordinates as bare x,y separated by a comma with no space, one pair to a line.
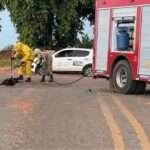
8,34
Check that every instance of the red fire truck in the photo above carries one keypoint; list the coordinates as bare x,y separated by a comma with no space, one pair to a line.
122,44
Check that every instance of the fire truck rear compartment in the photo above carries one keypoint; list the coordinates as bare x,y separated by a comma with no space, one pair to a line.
123,33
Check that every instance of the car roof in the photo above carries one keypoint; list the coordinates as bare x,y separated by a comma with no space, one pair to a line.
86,49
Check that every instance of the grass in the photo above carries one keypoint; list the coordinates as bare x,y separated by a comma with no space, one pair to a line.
4,63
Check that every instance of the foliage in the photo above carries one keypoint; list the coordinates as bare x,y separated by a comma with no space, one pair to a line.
84,42
49,23
4,63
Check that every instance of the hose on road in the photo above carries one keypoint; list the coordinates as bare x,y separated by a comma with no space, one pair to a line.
69,83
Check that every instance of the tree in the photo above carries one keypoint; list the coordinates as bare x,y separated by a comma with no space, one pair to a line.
86,9
1,8
84,42
49,23
31,21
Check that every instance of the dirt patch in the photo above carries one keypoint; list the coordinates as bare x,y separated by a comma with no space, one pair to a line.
4,71
5,54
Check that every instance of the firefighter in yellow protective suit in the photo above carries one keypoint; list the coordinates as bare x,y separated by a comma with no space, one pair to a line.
26,55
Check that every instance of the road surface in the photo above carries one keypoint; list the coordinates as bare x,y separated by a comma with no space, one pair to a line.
82,116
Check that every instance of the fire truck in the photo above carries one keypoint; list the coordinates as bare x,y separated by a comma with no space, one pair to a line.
122,44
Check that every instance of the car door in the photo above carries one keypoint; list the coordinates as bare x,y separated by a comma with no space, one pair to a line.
62,61
80,59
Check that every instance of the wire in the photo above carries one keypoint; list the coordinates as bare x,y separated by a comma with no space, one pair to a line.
69,83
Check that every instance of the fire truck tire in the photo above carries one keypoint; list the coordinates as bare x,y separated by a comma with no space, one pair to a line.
140,87
121,80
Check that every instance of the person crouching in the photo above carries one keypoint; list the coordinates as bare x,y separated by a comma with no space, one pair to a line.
25,54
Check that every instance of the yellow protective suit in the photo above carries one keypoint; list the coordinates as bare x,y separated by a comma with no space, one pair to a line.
26,56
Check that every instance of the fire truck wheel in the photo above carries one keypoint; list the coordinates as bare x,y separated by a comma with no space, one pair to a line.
121,80
140,87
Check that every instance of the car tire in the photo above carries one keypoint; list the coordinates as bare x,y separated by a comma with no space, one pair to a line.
39,71
121,80
87,71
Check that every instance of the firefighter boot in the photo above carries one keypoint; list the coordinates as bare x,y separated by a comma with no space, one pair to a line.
28,79
20,77
43,78
51,78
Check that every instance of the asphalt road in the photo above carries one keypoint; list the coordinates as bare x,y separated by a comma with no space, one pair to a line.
82,116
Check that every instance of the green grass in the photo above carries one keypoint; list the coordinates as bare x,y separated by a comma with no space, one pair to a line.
4,63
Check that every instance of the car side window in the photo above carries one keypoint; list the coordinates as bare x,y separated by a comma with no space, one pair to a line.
67,53
80,53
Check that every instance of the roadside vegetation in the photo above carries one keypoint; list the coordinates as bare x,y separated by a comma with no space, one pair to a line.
4,63
5,58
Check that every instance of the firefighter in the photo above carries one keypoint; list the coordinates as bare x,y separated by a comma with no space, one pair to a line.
25,54
46,57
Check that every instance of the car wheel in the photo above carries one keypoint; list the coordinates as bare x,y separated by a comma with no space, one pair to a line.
121,80
39,71
87,71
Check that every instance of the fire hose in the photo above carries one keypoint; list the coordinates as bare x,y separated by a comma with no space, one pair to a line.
69,83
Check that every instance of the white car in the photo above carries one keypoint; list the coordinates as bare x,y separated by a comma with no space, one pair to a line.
70,60
73,60
35,64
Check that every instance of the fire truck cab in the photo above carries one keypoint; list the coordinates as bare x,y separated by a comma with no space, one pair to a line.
122,44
